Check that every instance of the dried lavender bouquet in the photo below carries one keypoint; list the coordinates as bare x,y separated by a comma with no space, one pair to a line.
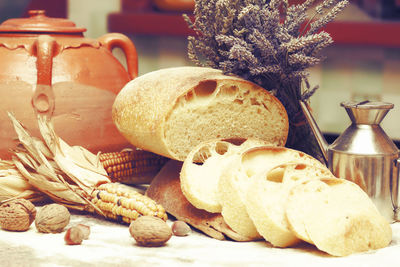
270,43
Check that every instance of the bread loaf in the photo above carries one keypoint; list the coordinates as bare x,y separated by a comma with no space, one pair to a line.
170,111
203,166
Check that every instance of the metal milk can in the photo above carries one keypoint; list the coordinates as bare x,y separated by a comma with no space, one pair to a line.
364,154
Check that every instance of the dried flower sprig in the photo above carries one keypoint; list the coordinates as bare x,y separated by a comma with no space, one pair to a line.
268,42
249,38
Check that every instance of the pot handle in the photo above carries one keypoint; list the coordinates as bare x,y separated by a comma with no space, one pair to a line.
394,189
43,100
112,40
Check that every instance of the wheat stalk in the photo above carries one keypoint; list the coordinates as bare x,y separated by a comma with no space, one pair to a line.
268,42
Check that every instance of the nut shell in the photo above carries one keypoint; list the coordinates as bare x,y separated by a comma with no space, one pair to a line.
180,228
149,231
74,236
85,230
17,215
52,218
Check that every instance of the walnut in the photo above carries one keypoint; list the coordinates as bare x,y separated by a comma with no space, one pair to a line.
17,215
149,231
52,218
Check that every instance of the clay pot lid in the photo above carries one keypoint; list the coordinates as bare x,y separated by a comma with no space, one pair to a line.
39,22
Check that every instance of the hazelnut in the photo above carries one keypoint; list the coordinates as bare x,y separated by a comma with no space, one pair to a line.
85,230
52,218
74,236
17,215
180,228
149,231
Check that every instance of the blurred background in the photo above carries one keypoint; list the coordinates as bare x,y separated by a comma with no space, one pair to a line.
363,63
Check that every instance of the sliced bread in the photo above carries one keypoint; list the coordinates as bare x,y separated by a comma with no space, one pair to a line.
172,110
232,189
203,166
338,217
266,200
234,182
165,189
264,206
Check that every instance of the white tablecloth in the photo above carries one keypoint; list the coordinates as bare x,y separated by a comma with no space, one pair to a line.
110,244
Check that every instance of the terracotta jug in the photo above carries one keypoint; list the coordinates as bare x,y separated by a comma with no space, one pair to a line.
48,66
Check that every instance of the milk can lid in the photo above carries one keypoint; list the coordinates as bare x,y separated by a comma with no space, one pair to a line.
367,112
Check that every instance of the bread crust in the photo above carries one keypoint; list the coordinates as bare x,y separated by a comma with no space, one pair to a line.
142,107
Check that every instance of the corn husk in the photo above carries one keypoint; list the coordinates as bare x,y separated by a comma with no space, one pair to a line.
65,174
13,185
84,168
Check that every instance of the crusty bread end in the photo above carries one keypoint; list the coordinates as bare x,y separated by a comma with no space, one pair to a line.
170,111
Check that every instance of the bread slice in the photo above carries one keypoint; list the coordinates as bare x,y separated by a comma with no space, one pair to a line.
165,189
172,110
232,189
266,200
338,216
235,179
203,166
264,205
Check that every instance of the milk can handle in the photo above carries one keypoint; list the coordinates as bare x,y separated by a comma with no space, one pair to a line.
112,40
394,190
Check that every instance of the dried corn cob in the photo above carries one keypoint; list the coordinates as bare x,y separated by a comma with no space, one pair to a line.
132,166
13,184
73,176
125,204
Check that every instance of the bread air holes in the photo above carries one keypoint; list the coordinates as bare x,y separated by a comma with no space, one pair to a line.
240,95
238,101
206,152
275,175
332,181
230,90
300,166
189,96
221,148
254,102
201,156
205,88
